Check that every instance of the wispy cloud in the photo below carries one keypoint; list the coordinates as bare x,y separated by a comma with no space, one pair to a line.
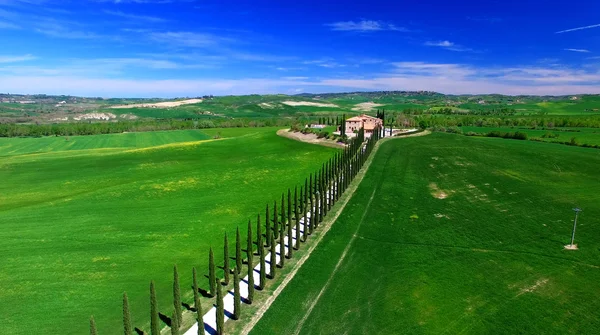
8,25
15,59
579,28
135,17
364,26
189,39
324,62
578,50
447,45
443,44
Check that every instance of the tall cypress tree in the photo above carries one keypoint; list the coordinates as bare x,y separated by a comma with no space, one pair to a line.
226,260
197,305
312,217
211,272
93,330
177,295
174,324
238,251
283,218
273,259
275,222
127,328
259,236
267,227
282,252
220,310
263,268
250,277
154,329
249,243
305,232
236,295
289,226
297,217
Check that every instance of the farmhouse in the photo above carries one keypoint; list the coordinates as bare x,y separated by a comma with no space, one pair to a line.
363,121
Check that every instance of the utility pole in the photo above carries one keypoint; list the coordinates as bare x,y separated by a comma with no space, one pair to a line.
577,211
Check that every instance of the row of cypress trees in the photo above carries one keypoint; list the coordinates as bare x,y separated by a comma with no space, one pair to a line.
302,211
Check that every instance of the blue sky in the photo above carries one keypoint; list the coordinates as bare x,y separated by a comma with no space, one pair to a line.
175,48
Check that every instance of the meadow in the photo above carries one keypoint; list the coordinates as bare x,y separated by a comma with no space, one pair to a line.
451,234
84,219
581,135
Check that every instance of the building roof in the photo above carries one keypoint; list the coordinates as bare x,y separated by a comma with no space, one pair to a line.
360,118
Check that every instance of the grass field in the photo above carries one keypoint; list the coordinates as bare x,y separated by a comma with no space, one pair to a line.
450,234
83,220
582,135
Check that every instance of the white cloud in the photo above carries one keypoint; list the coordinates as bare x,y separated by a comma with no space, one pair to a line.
188,39
443,44
15,59
579,28
364,26
8,25
135,17
578,50
447,45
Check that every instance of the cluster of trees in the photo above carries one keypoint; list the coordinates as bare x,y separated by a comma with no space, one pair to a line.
286,226
108,127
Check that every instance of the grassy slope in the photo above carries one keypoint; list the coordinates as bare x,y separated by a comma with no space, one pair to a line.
492,264
584,135
77,231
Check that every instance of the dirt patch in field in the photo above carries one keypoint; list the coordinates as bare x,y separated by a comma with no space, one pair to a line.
166,104
438,193
539,283
309,138
308,103
265,105
366,106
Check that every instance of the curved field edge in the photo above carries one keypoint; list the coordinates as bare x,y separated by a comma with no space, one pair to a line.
465,235
78,231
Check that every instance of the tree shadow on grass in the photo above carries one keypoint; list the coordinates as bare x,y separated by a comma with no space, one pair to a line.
139,331
188,307
165,319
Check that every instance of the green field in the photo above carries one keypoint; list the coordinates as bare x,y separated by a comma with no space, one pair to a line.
451,234
582,135
83,220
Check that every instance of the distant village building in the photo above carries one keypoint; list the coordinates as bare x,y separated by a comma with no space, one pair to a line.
363,121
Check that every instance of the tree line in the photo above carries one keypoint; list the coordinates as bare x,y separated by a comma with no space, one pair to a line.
301,210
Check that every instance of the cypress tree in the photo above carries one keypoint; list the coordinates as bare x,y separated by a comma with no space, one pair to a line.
275,222
305,232
250,278
289,226
297,217
263,268
226,260
176,295
282,252
127,328
174,324
267,227
312,217
154,330
306,191
317,211
236,295
197,305
273,260
93,330
211,272
238,251
283,218
249,243
220,310
259,235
